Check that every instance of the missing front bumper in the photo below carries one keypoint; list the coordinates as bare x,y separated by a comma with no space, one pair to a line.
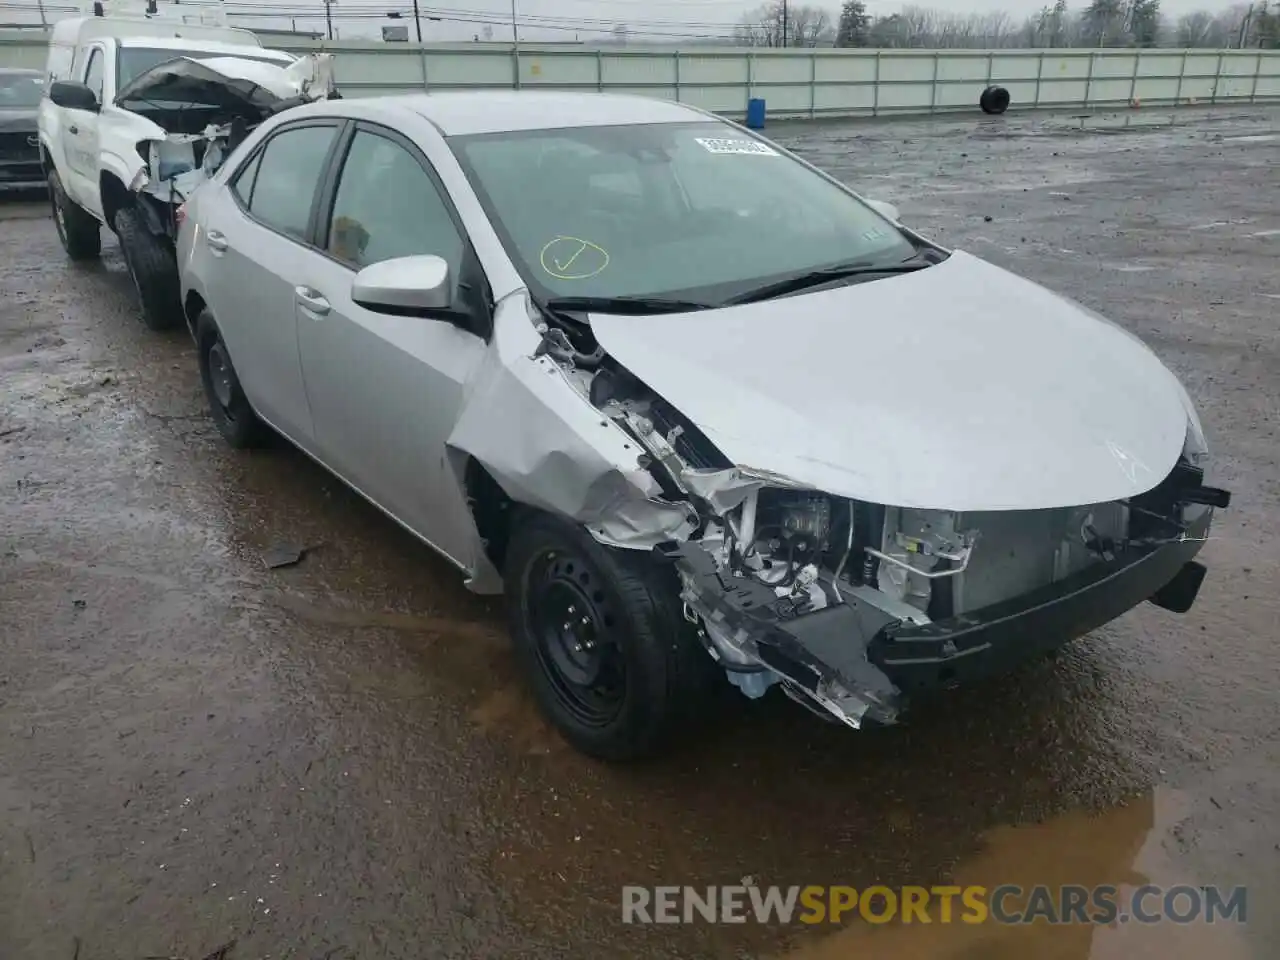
856,661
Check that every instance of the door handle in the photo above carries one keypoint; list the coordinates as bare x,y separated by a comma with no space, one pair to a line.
312,300
73,129
216,241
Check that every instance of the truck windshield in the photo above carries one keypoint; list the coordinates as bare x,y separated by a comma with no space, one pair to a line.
134,61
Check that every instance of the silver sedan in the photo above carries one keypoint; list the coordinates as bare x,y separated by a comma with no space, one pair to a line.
699,410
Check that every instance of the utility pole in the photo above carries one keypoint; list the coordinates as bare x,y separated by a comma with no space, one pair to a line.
43,21
785,18
328,16
515,35
417,22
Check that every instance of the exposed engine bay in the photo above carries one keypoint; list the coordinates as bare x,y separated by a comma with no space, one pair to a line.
844,602
207,107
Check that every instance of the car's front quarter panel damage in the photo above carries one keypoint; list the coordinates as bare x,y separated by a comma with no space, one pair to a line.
847,604
544,444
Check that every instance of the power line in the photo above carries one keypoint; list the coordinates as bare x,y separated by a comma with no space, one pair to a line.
332,11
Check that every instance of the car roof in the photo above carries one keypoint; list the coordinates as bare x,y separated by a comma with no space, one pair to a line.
197,45
463,112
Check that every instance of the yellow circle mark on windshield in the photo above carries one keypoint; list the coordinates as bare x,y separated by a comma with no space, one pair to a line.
571,258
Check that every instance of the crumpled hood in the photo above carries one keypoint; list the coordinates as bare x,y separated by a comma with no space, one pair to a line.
957,387
232,82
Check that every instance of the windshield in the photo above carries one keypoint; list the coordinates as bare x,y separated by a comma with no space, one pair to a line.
20,90
698,211
135,61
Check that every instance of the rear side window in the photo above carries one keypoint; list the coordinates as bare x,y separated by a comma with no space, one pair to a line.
283,181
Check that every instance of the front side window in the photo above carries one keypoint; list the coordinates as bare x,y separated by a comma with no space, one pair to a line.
387,206
288,175
696,210
93,73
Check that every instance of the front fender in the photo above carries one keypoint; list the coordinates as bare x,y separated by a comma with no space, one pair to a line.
549,448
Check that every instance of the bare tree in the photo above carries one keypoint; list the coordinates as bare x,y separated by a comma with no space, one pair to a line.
793,25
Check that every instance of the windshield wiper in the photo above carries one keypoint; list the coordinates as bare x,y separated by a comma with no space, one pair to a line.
813,278
638,306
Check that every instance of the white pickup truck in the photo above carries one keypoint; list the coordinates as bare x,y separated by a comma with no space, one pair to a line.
139,111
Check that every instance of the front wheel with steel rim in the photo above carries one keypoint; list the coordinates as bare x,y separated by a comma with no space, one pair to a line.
228,406
598,633
78,232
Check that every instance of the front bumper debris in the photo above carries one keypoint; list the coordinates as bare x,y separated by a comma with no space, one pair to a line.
854,660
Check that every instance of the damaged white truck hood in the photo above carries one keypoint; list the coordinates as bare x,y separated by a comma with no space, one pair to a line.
957,387
247,88
250,81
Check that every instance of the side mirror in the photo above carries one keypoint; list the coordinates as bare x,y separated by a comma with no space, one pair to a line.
884,208
73,95
408,286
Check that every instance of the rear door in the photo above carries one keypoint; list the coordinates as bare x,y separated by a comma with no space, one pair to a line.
385,390
256,253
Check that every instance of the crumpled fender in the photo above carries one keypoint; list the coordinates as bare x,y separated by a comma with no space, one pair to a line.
547,447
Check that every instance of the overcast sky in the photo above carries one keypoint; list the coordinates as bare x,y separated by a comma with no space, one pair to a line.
677,21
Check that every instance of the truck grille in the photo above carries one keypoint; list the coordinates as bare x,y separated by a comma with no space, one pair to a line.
19,146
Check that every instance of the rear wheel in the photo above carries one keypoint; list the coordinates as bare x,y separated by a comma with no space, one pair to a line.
229,407
79,233
153,268
598,634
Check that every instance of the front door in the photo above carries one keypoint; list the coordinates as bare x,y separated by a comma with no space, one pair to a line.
385,391
80,135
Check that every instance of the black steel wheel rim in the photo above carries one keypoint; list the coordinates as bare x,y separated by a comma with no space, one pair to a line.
59,215
221,379
133,274
574,629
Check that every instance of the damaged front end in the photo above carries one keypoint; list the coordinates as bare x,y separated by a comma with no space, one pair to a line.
204,108
851,605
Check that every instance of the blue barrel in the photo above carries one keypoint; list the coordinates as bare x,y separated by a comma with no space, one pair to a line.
755,113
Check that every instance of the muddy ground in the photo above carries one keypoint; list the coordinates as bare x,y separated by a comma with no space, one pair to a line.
337,760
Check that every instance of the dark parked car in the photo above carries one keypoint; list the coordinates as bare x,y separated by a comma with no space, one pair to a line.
20,93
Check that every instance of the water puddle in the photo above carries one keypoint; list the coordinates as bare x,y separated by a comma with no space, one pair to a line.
1126,847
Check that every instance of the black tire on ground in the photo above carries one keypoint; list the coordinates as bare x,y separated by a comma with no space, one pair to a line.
78,231
154,270
994,100
599,636
229,407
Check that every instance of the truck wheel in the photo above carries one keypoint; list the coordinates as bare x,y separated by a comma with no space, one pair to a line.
78,231
228,405
599,636
154,270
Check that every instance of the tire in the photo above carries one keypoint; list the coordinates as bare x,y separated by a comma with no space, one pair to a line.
153,268
78,232
994,100
229,407
648,670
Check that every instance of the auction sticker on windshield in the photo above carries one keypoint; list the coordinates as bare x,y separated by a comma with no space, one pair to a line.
728,145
